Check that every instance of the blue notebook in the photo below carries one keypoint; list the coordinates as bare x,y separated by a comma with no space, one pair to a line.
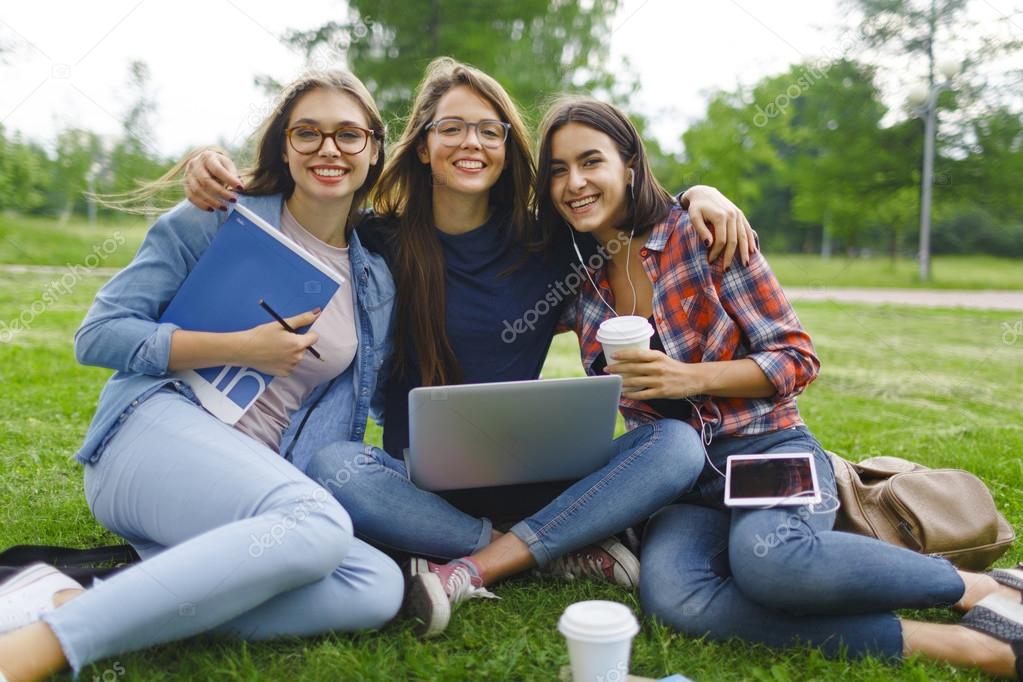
248,260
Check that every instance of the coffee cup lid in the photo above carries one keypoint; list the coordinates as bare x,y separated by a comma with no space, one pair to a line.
624,329
598,621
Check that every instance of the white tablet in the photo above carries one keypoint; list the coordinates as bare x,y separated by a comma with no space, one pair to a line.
782,479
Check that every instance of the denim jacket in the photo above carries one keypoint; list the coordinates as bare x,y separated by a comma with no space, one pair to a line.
121,332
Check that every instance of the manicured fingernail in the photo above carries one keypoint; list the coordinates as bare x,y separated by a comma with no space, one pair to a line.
210,210
706,242
223,208
316,311
239,187
233,201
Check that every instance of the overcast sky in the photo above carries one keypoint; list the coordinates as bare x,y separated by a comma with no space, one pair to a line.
66,61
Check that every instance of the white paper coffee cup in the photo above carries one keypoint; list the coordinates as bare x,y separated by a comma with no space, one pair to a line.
599,636
627,332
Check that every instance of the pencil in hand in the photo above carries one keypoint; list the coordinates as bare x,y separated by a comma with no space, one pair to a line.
265,306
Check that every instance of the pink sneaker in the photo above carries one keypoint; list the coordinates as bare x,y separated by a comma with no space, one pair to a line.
610,561
434,589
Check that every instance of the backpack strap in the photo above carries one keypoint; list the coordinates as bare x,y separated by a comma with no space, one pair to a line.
68,557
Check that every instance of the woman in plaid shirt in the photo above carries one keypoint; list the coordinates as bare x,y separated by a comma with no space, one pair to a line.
730,356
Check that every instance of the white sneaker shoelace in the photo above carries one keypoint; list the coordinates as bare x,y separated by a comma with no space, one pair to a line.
459,587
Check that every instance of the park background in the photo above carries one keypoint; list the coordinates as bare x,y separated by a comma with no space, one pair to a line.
805,113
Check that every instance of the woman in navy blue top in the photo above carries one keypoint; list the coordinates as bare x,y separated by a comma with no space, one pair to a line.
477,301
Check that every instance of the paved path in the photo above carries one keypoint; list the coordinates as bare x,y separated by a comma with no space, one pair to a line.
943,298
56,270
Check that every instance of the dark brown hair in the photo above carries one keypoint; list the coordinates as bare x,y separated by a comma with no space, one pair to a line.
405,196
652,202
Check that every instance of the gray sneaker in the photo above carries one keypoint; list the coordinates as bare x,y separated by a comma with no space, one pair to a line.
610,561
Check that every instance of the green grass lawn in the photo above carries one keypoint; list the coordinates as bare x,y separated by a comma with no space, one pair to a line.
939,386
42,241
31,240
948,272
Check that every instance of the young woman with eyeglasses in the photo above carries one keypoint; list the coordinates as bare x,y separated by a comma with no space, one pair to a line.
235,540
452,217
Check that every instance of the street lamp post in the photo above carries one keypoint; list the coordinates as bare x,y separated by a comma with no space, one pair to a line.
926,100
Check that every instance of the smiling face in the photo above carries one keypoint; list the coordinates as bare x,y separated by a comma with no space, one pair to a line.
589,180
468,168
328,175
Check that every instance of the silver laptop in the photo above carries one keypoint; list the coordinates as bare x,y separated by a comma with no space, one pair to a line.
481,435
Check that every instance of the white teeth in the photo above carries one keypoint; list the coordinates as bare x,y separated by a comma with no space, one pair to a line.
329,172
475,165
582,202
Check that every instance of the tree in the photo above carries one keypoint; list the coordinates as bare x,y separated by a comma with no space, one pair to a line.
133,158
532,47
24,174
77,150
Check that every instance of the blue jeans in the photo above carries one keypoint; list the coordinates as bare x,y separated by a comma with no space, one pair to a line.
646,468
234,540
781,576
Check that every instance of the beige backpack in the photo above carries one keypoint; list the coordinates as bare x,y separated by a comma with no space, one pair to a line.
947,512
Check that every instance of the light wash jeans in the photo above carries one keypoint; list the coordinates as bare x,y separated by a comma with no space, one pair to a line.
234,541
782,576
646,468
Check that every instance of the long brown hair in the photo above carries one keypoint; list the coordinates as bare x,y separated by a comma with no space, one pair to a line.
652,202
405,196
270,175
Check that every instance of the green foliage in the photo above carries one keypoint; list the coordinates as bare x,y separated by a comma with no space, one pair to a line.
808,152
33,181
24,180
532,47
972,229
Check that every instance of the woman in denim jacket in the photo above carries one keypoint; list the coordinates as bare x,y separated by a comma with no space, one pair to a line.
235,539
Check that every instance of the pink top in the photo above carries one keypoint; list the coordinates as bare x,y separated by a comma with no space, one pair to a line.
270,415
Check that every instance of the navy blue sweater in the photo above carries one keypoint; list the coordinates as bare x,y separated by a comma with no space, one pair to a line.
499,325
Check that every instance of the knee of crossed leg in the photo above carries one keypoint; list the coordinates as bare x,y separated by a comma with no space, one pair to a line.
389,592
335,467
681,454
773,564
311,528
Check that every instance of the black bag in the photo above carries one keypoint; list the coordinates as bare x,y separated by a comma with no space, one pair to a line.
84,565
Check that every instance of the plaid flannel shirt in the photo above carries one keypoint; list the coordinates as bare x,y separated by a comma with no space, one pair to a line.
703,314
